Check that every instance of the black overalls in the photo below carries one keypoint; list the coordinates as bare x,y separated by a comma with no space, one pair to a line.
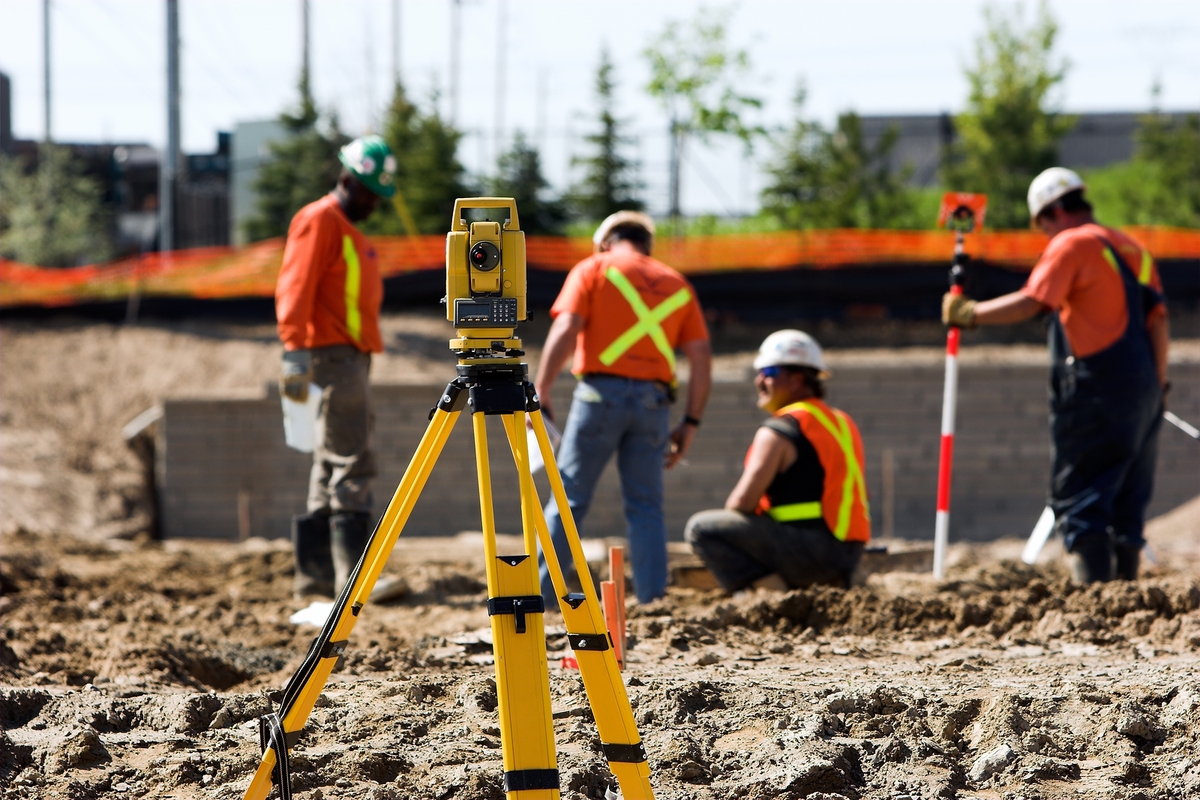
1105,414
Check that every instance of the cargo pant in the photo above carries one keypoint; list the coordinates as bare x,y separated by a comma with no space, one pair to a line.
343,462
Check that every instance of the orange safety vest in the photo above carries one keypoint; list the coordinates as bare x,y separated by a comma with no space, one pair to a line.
843,504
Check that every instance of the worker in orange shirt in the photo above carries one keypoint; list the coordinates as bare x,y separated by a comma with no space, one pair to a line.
327,303
1108,377
624,315
799,513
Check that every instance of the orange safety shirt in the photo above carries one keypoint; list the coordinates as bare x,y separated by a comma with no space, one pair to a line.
637,311
329,290
842,502
1078,277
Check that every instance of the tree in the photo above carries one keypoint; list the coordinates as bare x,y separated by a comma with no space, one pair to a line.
833,179
609,183
1160,185
429,175
1011,128
519,176
694,77
303,167
52,215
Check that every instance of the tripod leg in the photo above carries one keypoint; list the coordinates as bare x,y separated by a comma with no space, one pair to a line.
519,645
584,621
306,685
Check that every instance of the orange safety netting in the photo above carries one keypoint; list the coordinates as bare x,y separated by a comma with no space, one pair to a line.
224,272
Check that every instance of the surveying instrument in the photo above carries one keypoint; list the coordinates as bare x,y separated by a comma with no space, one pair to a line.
485,299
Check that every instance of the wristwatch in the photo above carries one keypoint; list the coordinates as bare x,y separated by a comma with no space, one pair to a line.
690,420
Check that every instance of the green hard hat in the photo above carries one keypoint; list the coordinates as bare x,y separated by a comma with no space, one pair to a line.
372,162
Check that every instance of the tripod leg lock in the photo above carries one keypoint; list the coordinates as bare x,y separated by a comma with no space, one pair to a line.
589,641
624,753
518,606
334,649
574,599
520,780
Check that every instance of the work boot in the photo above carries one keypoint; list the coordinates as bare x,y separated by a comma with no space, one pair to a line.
314,561
349,535
1128,556
1092,560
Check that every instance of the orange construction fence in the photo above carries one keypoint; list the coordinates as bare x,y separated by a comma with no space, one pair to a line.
225,272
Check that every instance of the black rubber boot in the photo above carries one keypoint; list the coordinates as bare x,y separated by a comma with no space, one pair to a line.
1127,561
1092,560
314,560
349,534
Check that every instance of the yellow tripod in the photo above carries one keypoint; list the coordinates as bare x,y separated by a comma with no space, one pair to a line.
487,386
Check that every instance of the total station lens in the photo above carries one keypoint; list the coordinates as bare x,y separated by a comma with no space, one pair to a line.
484,256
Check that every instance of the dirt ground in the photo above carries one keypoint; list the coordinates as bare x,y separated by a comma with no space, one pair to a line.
136,668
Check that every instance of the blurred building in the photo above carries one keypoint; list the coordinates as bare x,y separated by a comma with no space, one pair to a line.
250,149
1097,140
127,173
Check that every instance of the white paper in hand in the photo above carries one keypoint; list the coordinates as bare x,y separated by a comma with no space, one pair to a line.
1037,539
535,451
300,420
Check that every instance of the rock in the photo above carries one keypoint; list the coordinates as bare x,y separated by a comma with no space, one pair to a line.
82,748
990,763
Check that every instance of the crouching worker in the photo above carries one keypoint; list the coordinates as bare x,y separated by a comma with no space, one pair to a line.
798,515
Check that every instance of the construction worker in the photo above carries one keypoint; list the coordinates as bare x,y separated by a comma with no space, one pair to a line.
327,302
798,515
1108,374
624,315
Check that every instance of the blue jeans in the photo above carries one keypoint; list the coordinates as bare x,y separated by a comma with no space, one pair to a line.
630,417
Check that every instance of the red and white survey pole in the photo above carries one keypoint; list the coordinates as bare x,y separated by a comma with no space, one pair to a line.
941,530
959,212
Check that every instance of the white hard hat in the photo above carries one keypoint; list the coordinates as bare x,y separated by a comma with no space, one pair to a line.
1051,185
791,348
622,218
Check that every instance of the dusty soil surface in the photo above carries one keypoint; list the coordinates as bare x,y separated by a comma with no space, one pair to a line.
135,668
140,669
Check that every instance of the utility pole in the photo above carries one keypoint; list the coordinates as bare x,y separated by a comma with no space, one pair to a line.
46,60
455,37
304,73
501,53
168,170
395,41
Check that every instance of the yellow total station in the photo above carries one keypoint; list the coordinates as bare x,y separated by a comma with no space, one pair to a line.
485,278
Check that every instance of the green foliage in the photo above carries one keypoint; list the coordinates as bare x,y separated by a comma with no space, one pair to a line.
429,175
609,183
519,176
52,215
833,179
1160,186
303,168
1010,130
695,78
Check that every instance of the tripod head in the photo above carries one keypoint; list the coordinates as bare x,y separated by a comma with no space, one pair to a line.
485,281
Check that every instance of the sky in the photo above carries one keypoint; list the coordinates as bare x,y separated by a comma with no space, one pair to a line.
241,60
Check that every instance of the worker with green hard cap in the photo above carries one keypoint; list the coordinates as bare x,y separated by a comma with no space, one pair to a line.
327,302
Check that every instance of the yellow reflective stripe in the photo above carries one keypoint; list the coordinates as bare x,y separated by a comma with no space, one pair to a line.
648,320
854,477
353,281
1111,259
1147,268
795,511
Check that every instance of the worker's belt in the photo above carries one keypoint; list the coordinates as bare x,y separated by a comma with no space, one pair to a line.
793,512
666,387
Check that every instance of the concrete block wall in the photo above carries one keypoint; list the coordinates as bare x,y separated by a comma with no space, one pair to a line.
224,471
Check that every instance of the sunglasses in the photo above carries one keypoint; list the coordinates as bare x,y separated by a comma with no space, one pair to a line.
771,372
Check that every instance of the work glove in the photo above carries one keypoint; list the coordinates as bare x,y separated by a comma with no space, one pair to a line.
958,310
296,374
